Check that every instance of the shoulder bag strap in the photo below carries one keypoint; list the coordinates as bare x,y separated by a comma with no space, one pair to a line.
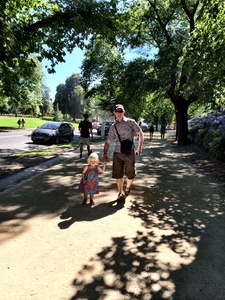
118,133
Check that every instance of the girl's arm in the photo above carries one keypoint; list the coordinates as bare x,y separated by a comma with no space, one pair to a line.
103,168
83,173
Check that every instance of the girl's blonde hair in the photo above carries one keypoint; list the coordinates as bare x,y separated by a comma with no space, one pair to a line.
93,155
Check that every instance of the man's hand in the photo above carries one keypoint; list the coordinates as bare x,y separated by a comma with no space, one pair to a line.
105,158
138,151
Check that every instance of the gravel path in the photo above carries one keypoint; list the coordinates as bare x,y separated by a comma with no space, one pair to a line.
166,242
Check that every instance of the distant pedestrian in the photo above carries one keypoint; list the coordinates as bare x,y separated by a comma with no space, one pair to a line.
163,131
89,183
85,128
19,123
23,123
151,130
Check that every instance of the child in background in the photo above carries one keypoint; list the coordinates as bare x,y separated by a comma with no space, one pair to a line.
90,180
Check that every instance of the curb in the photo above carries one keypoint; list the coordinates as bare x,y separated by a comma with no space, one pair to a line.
9,182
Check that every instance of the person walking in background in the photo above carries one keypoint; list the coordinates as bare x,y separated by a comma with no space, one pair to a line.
23,123
122,131
89,183
151,130
85,128
19,123
163,130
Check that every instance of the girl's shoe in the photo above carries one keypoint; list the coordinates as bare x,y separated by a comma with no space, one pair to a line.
84,202
92,202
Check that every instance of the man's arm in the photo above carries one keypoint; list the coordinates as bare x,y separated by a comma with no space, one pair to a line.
91,131
140,142
106,149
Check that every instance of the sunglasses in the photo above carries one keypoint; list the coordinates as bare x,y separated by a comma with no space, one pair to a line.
119,111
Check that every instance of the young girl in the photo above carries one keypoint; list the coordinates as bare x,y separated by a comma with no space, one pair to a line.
89,181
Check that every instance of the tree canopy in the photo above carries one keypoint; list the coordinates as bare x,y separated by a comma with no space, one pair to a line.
47,29
174,31
186,36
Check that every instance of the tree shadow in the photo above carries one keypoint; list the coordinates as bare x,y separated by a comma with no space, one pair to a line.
178,254
45,194
174,259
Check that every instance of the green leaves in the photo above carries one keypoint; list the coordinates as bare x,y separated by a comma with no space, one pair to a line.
47,29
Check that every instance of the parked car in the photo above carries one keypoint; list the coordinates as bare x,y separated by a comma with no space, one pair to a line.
144,126
107,126
53,132
95,125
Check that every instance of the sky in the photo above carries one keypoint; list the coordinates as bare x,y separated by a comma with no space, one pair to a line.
63,70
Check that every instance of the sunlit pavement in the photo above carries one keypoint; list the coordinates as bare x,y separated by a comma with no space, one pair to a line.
165,242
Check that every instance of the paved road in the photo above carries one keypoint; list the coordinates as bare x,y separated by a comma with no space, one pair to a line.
20,140
166,242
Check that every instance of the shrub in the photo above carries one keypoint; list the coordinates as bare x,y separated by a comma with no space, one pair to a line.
209,133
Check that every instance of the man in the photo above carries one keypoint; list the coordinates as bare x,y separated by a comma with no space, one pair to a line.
85,128
123,163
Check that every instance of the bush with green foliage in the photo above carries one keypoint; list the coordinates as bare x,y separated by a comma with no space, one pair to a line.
209,133
57,115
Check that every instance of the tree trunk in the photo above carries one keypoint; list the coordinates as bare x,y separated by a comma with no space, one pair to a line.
182,125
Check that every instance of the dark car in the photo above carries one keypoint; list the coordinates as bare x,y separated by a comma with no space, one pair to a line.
53,132
107,126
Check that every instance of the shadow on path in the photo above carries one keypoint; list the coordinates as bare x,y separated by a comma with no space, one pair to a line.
80,213
179,252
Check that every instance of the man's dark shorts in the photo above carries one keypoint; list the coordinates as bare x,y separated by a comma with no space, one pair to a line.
123,163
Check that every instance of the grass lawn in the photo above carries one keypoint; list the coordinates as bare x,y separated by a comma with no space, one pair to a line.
30,123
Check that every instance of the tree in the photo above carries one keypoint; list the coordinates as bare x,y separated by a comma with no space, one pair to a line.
165,26
70,97
26,93
204,54
46,105
158,108
101,71
46,29
134,86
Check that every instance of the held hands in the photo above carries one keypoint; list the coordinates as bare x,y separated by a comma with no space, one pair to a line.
105,158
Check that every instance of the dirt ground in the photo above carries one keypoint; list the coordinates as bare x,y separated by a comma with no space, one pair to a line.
10,165
165,242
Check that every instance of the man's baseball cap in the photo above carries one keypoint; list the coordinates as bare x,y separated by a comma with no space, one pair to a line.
119,106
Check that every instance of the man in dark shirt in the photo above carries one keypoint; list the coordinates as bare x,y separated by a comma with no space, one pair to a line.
85,128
